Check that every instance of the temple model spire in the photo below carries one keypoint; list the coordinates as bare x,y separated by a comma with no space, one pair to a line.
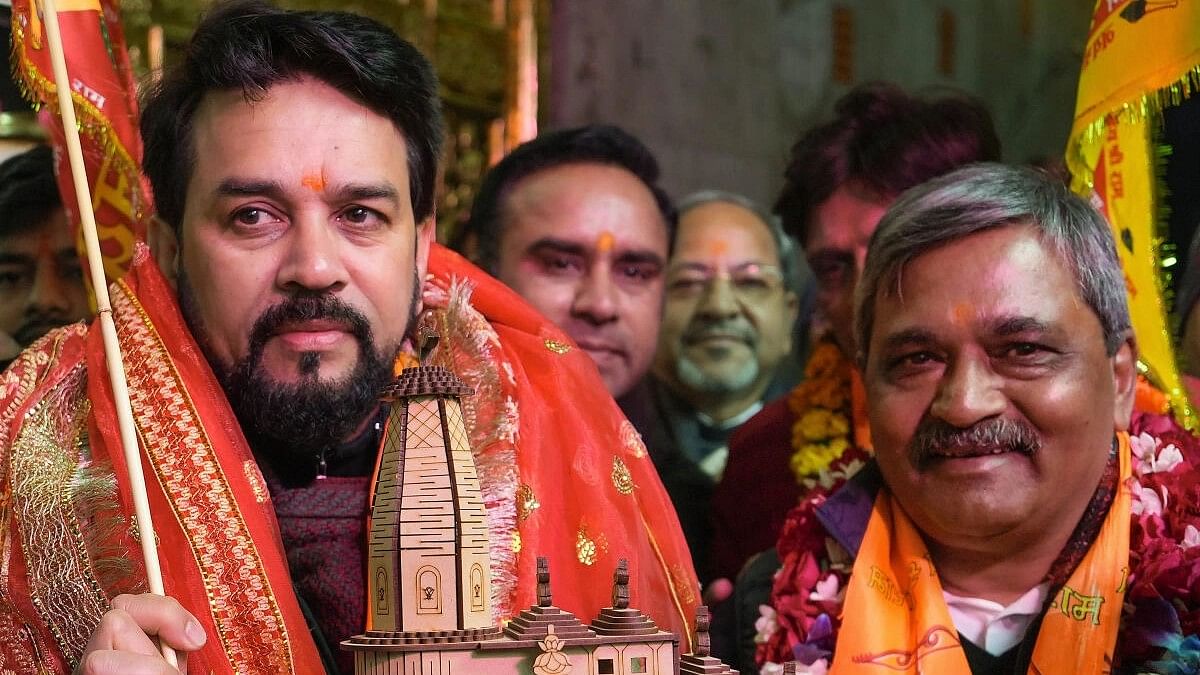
428,567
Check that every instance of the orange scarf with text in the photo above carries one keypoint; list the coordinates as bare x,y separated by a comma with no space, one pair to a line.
896,619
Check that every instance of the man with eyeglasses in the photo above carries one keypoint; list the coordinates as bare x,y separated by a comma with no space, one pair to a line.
727,319
727,325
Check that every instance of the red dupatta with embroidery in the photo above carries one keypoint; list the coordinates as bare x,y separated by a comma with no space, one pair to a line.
69,538
558,449
219,544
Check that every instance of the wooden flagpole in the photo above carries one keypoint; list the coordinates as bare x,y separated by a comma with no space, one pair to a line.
112,349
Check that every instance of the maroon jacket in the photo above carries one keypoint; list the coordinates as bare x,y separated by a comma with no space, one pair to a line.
757,490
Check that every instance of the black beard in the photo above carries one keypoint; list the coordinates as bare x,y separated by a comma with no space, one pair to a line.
291,424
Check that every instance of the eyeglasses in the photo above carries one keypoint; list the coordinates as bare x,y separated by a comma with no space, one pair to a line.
749,282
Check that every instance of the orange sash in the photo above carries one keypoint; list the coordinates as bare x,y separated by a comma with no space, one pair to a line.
219,544
896,619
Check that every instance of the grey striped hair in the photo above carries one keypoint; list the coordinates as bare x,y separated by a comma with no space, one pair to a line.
985,196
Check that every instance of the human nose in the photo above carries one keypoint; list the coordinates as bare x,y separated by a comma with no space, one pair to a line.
718,301
968,393
313,258
595,297
48,295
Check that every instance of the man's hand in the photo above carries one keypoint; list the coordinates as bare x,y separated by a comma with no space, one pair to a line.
123,642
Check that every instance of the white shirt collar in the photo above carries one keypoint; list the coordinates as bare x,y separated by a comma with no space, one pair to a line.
992,626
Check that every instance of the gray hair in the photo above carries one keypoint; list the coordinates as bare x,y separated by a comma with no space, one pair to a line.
784,244
985,196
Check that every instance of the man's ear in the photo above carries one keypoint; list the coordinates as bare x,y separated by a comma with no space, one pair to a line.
426,235
1124,365
164,247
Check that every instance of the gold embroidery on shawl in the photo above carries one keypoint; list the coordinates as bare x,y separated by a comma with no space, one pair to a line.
93,493
557,347
254,477
621,478
590,545
20,650
45,473
242,604
526,502
585,547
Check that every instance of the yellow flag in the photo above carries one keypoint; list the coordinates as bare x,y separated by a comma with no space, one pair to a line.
1140,57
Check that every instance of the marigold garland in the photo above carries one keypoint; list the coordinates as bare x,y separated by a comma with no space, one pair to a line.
821,406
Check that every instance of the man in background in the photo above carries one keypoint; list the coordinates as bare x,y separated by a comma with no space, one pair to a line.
727,319
727,324
575,222
41,280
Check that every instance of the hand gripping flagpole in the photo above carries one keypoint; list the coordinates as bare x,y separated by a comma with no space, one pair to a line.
112,349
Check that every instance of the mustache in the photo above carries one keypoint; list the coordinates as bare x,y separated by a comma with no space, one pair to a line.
308,307
935,438
738,328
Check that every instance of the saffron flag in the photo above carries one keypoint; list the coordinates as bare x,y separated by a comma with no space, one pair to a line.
1140,56
106,108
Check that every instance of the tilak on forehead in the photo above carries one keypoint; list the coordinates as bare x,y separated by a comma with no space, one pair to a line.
605,242
962,313
314,181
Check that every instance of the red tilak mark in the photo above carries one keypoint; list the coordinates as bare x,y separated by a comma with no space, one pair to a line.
316,183
963,312
606,242
718,247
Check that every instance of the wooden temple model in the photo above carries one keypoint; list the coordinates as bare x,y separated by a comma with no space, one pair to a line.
429,574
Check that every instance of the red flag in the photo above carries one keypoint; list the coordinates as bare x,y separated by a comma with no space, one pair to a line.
106,107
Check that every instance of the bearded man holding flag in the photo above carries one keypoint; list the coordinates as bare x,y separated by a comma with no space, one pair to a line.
292,157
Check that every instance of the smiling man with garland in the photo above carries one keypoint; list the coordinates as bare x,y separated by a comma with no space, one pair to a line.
841,178
1014,519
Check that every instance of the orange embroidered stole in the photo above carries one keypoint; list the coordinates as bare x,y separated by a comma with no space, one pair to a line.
896,620
219,544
